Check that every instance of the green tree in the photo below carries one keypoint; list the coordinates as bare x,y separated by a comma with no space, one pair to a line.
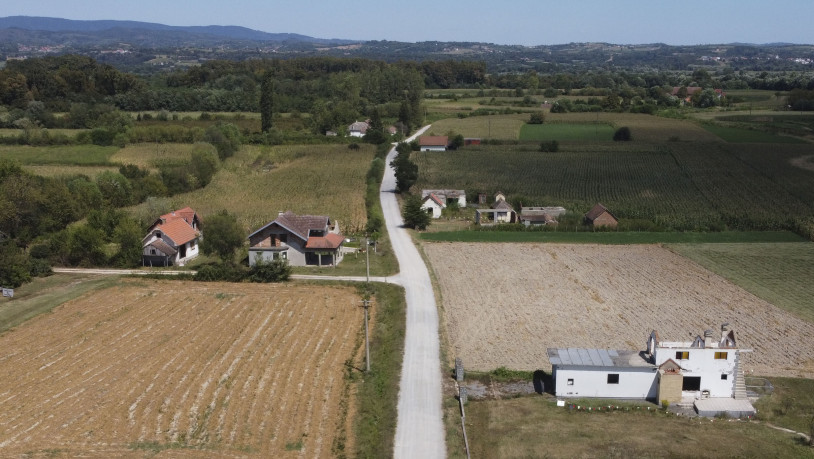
266,102
225,137
537,118
222,236
406,171
128,235
115,188
414,216
622,134
14,269
375,132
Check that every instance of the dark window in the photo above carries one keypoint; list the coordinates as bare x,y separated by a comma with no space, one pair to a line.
723,377
613,378
691,383
682,355
570,381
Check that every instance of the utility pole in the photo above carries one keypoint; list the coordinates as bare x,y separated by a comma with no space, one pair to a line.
366,305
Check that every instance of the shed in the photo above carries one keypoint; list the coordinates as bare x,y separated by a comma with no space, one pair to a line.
599,216
433,142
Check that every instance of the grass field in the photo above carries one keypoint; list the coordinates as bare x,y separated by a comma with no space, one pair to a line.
680,185
210,369
535,427
746,135
56,170
150,155
562,131
259,182
75,155
781,274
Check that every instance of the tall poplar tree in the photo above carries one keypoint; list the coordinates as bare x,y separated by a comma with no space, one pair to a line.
266,102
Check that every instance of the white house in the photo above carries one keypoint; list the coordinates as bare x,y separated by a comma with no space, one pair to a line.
172,239
433,142
704,371
433,205
358,129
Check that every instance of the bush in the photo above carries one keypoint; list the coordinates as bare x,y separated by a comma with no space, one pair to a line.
536,118
551,147
220,272
269,271
622,134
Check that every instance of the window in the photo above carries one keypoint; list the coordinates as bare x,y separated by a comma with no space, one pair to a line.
682,355
613,378
152,251
720,355
723,377
285,255
691,383
570,381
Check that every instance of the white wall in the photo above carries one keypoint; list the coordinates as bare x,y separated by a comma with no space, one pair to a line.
702,363
634,382
430,204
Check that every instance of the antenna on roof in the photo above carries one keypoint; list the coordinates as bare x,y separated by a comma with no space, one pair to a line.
724,325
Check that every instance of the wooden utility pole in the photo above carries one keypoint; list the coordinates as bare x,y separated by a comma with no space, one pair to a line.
366,305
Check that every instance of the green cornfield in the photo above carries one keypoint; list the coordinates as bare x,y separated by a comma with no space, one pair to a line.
673,185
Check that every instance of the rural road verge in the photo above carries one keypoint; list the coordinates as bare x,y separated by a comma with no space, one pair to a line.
419,428
126,272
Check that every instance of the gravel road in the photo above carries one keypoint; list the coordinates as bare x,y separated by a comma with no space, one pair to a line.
419,430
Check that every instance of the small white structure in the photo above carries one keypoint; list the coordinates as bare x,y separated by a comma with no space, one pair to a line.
500,212
434,201
433,205
433,142
700,370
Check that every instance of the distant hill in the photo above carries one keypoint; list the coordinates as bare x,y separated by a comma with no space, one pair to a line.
54,27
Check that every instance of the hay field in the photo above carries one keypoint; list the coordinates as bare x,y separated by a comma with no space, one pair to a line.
191,369
150,155
258,182
505,304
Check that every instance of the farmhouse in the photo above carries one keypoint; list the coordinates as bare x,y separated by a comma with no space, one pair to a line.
303,240
433,142
358,129
172,239
500,212
704,372
540,215
599,215
434,201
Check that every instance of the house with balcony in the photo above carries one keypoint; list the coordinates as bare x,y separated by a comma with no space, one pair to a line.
302,240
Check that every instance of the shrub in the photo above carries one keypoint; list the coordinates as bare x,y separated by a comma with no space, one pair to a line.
537,118
622,134
220,272
552,146
269,271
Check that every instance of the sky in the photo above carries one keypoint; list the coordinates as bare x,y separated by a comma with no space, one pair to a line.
505,22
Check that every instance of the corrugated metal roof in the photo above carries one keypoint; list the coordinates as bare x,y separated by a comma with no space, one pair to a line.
595,358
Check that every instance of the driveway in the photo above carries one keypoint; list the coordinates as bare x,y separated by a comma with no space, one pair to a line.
419,429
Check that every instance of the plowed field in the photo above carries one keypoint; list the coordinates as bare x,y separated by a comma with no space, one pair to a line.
181,369
505,304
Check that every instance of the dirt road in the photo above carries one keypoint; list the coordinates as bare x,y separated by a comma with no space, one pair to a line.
419,429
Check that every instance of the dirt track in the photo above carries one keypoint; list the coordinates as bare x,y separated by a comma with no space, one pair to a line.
194,368
504,304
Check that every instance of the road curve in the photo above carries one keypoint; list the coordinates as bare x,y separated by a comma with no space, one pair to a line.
419,429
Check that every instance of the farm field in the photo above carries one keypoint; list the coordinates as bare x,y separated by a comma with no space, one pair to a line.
779,273
505,304
745,135
150,155
562,131
226,370
678,185
79,155
259,182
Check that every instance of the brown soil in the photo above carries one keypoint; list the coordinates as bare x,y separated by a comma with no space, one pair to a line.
505,304
180,368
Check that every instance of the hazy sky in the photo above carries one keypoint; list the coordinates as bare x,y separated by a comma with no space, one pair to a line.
524,22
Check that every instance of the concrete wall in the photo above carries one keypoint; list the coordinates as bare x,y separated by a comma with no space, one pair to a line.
634,382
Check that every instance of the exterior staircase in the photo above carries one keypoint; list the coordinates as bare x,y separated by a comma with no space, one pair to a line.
740,382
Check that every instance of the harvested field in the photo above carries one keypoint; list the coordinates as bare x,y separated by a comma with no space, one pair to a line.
186,369
504,304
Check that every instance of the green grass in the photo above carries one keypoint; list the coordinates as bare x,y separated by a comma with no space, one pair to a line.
536,427
780,273
44,294
77,155
745,135
612,237
377,394
791,405
566,131
382,263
